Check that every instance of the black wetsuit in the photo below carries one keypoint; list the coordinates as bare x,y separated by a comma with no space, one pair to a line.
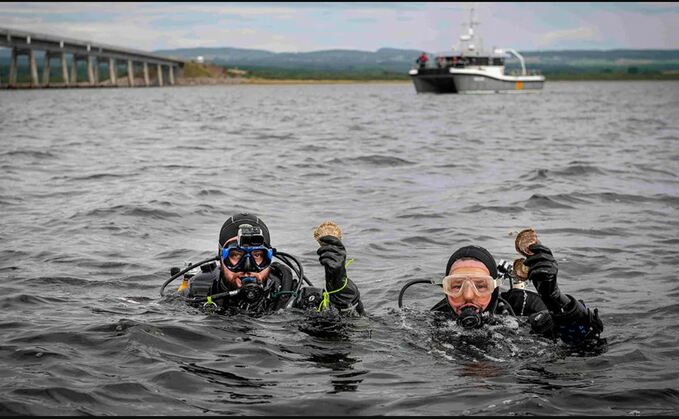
575,325
279,289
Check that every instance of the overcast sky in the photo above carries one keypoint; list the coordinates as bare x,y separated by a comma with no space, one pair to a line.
300,27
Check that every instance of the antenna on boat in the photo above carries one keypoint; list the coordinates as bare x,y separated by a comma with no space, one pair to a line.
472,22
468,41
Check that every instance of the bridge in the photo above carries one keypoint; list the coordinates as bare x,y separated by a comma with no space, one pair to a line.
155,69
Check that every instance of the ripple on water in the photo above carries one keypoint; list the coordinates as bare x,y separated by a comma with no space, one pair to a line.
96,209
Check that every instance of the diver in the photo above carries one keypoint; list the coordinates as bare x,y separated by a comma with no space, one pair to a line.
243,277
473,297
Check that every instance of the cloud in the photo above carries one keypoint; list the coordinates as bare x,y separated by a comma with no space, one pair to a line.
585,33
314,26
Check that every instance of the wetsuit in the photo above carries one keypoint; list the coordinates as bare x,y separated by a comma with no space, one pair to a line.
575,324
278,290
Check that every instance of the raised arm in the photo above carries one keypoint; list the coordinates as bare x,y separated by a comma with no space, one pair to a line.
573,321
342,291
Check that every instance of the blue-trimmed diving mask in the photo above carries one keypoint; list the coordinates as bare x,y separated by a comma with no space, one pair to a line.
246,259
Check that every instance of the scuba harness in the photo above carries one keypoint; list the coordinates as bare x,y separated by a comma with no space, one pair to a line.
249,253
251,290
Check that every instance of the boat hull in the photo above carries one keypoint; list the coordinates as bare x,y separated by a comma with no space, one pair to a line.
440,82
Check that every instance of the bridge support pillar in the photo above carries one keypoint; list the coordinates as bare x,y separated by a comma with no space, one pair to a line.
112,72
146,74
12,82
171,67
74,69
46,70
160,75
34,68
90,70
130,73
64,69
97,66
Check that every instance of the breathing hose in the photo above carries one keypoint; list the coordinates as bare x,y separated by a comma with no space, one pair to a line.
175,276
408,284
284,257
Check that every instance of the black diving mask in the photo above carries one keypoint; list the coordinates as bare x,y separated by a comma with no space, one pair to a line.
246,259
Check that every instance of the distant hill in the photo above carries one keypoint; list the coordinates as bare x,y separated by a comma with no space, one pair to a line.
395,63
401,60
336,60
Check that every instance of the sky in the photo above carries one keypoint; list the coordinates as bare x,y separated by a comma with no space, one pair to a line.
303,27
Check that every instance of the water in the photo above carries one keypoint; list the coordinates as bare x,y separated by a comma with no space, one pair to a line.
104,190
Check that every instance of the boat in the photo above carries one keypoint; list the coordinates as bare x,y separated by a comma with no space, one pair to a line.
470,69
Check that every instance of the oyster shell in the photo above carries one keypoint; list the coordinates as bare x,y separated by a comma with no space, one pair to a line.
327,228
520,270
524,239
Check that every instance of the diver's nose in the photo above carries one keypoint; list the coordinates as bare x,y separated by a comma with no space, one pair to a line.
467,291
247,264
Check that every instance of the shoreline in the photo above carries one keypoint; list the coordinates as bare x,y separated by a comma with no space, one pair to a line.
258,81
321,81
284,82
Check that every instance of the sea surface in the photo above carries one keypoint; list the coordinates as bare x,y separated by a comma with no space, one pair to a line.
102,191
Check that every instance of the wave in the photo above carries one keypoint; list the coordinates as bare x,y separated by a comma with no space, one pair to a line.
374,160
100,176
539,201
22,300
501,209
37,154
575,169
141,211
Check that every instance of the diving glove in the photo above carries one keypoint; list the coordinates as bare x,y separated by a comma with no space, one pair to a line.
333,255
542,270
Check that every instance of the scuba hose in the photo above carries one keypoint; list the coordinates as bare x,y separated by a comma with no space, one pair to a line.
407,285
284,257
468,318
299,272
505,273
176,275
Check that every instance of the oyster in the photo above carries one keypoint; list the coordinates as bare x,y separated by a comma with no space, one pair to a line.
524,239
327,228
520,270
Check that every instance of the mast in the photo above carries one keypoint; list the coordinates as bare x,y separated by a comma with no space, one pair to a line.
470,44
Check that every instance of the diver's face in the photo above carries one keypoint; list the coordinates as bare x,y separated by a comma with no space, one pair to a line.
234,278
469,298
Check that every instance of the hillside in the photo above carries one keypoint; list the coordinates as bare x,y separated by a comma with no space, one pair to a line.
394,63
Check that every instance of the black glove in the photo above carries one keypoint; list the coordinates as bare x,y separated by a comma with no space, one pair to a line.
332,256
542,270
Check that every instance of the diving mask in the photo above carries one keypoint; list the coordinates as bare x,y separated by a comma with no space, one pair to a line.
455,285
246,259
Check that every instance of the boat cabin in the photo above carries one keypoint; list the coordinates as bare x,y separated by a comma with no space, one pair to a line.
460,61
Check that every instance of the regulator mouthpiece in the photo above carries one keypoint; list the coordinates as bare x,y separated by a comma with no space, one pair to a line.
251,290
470,318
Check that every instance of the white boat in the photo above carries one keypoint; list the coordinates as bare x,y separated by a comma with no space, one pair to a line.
469,69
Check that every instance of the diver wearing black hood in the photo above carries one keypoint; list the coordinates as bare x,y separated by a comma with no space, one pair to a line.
474,298
246,279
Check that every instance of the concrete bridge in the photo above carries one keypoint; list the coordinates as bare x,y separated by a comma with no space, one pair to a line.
92,53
